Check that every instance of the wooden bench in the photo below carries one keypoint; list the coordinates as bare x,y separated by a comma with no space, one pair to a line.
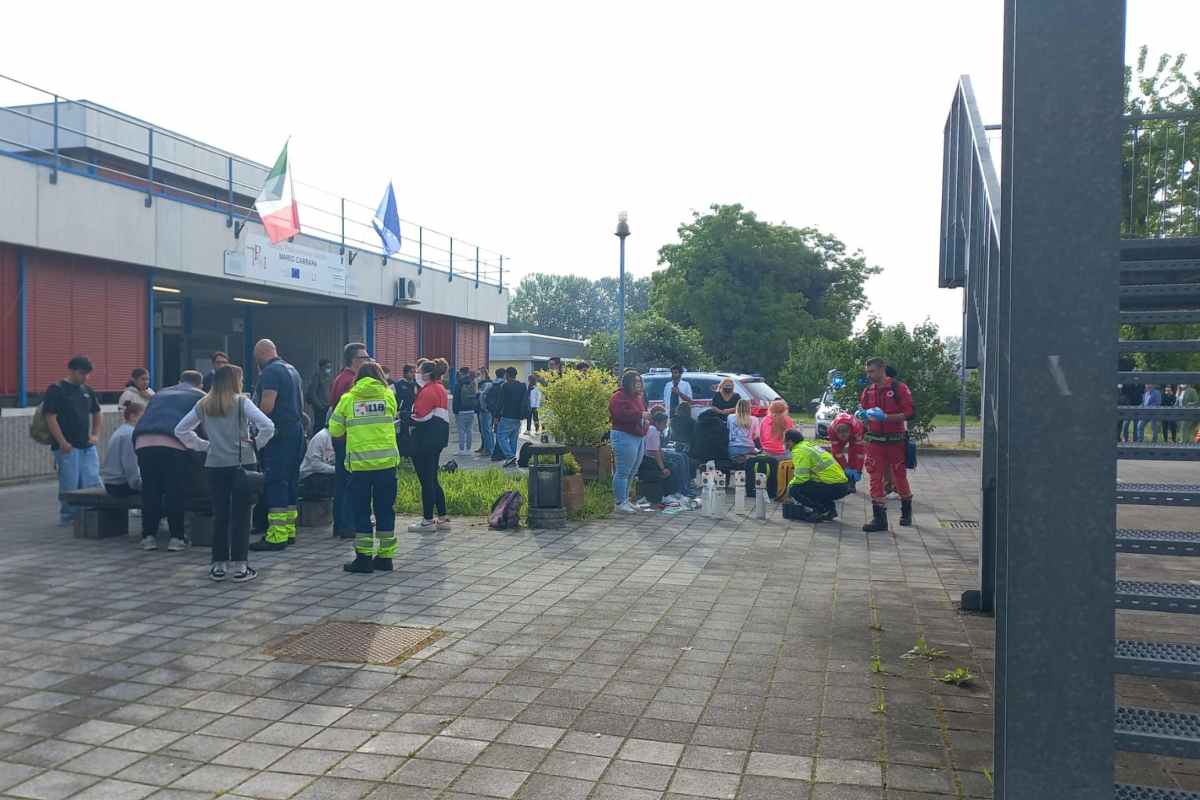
104,516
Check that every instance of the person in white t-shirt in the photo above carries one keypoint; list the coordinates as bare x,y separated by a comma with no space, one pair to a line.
532,423
676,389
672,466
318,467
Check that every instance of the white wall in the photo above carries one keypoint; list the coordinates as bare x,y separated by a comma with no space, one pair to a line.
90,217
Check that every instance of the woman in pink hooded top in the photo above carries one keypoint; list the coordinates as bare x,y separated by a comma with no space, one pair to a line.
847,444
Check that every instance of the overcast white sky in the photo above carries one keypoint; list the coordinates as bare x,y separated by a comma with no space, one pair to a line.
526,126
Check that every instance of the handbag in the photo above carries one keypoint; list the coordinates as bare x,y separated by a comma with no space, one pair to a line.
246,481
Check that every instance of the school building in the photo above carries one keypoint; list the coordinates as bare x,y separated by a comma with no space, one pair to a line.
138,247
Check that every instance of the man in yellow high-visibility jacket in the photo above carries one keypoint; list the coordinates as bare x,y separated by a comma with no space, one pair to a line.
365,418
817,481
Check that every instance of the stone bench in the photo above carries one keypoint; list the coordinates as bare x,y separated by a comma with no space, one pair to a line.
104,516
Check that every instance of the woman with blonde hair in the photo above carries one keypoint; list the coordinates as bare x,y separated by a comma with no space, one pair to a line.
226,415
743,430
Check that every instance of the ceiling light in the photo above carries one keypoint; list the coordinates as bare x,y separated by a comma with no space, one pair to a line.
167,289
251,300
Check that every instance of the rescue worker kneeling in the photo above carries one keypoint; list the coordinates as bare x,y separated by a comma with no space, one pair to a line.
365,417
817,481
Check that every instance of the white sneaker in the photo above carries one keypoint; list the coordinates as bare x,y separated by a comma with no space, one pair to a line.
175,545
628,508
423,525
149,543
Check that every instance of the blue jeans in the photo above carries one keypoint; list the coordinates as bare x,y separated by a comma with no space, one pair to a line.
1140,434
78,469
465,422
627,457
486,433
680,481
507,433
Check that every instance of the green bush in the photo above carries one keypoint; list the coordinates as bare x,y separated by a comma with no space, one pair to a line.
471,492
575,405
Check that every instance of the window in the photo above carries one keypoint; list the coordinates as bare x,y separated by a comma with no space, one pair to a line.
758,390
654,389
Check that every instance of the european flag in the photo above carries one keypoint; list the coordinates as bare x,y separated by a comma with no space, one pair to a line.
387,222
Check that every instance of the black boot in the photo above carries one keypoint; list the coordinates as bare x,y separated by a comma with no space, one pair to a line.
361,563
906,512
382,564
263,545
879,522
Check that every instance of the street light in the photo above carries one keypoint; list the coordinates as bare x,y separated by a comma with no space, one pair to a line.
622,232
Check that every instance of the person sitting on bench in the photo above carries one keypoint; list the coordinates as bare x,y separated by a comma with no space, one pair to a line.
818,479
668,466
317,469
120,473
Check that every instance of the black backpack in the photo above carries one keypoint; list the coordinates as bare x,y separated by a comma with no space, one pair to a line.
506,512
710,437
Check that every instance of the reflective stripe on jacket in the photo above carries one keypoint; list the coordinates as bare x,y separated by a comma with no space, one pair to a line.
815,464
366,416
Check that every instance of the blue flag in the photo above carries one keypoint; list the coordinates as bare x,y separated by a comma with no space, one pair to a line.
387,222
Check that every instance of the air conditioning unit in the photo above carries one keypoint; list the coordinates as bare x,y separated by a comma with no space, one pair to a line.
405,293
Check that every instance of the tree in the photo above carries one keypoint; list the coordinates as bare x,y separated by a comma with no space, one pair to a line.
571,306
576,405
749,286
650,341
919,356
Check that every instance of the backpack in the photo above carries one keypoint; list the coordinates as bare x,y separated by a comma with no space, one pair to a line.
506,512
39,431
491,399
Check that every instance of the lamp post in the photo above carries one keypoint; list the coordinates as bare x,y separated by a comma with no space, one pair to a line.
622,232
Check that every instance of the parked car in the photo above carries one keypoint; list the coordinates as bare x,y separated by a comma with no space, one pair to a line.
704,386
826,407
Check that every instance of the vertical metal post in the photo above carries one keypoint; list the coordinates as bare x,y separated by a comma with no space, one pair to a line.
57,162
149,166
151,348
621,312
420,249
369,333
248,349
1060,199
451,276
962,368
476,266
502,273
22,334
342,250
229,167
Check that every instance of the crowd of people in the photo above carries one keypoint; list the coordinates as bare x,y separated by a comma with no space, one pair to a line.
1151,396
671,444
257,455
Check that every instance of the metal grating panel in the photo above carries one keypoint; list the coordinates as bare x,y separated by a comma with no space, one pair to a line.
958,523
1158,543
1128,792
1167,733
1179,598
355,643
1158,494
1146,451
1160,659
1160,317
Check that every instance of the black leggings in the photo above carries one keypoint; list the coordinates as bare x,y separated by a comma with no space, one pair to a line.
231,516
432,497
532,422
166,478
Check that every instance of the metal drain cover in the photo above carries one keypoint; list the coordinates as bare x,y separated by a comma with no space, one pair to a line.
959,523
355,643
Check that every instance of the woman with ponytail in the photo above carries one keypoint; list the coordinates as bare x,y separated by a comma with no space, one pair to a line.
431,434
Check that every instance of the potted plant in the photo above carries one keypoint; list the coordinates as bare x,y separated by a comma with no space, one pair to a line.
572,485
575,409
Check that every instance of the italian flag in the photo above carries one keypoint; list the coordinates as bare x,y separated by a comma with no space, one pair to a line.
276,203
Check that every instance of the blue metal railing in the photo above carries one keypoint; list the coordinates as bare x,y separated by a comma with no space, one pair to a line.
84,138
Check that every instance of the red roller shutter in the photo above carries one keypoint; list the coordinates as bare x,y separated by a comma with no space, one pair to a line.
10,316
395,338
437,337
79,305
470,345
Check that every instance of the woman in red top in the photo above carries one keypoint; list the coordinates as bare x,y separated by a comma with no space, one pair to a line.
630,420
431,434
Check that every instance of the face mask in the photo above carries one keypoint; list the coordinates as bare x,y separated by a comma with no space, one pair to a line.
422,379
328,370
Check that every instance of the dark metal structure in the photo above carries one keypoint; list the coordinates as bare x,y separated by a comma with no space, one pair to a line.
1048,284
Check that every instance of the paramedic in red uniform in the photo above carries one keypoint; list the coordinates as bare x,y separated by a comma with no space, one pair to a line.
885,406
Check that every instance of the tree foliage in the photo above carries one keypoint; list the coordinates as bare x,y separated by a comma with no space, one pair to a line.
747,286
650,341
919,356
571,306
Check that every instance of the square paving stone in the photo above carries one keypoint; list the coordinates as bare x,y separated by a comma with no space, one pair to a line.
52,785
713,759
394,744
339,739
158,770
704,784
761,787
651,752
859,773
308,762
430,774
778,765
840,791
95,731
574,765
286,733
638,774
212,778
252,755
198,747
103,761
115,790
335,789
49,753
450,748
593,744
548,787
366,767
316,715
475,728
511,756
490,782
608,791
531,735
145,740
12,774
900,776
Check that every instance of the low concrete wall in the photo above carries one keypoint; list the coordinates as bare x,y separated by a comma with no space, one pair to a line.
23,459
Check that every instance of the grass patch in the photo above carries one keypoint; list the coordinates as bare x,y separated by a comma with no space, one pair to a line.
968,444
959,676
876,665
471,492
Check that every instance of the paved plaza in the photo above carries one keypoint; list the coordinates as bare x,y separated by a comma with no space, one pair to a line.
633,658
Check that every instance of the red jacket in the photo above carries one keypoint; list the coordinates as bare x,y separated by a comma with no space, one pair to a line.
625,412
894,398
852,453
341,384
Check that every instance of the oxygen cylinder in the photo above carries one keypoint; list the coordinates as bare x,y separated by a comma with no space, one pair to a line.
760,496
